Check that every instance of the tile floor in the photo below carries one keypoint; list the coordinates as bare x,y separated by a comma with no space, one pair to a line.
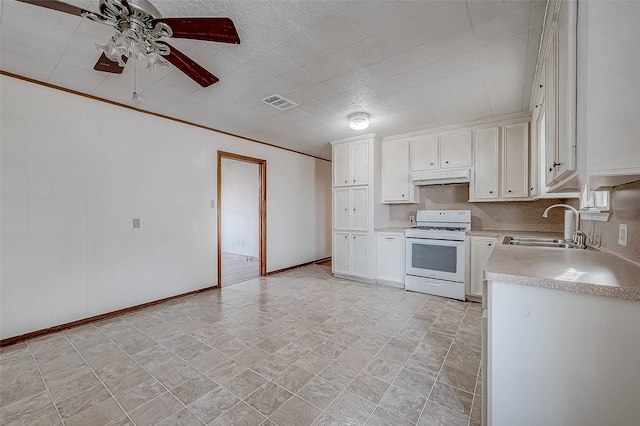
299,348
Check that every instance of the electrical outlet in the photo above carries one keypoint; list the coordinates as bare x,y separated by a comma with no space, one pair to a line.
136,222
622,235
212,204
412,220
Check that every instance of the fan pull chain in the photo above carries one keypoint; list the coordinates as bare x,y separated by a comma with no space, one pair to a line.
135,78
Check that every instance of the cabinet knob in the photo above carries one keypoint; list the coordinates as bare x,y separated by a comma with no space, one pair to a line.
346,181
402,195
489,244
447,162
354,237
541,86
345,237
345,210
431,164
556,164
354,210
354,181
532,188
550,169
490,192
509,190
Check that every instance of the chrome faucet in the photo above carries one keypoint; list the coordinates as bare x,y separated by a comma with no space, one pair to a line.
579,237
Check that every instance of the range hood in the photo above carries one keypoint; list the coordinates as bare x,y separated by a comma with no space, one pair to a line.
438,177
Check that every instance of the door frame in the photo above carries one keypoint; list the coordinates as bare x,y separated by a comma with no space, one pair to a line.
262,210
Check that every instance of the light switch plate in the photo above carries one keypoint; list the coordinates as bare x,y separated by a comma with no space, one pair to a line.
136,222
622,235
212,204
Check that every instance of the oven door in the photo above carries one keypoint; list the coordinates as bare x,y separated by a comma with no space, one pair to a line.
438,259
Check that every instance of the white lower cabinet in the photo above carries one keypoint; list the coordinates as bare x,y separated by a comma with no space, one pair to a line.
350,254
479,252
390,260
340,261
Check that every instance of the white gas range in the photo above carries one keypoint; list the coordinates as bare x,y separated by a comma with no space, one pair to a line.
436,253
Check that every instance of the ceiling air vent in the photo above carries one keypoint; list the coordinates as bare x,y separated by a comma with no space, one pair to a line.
279,102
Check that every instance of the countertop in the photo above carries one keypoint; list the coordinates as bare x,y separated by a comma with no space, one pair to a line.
399,229
579,271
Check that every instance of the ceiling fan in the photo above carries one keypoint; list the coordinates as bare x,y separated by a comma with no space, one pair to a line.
140,30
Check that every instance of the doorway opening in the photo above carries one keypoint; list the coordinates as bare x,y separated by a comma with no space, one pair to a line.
242,202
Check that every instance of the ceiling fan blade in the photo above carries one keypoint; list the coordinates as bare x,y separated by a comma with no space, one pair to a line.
107,65
57,5
188,66
209,29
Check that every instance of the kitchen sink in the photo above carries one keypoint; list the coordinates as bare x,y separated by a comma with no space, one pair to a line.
539,242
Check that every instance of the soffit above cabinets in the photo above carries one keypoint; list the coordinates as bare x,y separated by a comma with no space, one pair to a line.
412,65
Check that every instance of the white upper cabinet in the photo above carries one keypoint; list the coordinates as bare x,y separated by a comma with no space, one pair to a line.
396,176
351,164
560,85
341,166
446,151
611,95
485,185
425,153
455,150
515,161
501,163
359,163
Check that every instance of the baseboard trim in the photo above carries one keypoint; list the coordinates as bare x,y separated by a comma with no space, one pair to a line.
17,339
298,266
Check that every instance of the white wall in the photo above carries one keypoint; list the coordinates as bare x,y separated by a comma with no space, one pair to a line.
240,187
74,172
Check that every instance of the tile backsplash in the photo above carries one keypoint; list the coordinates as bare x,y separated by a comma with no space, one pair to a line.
625,203
515,215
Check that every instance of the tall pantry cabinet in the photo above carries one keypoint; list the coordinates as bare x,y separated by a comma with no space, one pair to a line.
357,206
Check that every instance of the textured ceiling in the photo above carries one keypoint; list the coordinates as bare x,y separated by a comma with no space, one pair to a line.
412,65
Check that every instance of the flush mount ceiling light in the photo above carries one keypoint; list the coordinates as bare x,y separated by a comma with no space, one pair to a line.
359,120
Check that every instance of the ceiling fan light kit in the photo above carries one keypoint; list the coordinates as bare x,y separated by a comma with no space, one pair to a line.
358,120
140,29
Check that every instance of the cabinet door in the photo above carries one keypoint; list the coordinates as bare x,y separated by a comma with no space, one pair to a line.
359,208
395,171
359,254
515,161
359,162
486,163
566,90
424,153
390,257
455,150
550,111
341,209
341,165
481,248
340,259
